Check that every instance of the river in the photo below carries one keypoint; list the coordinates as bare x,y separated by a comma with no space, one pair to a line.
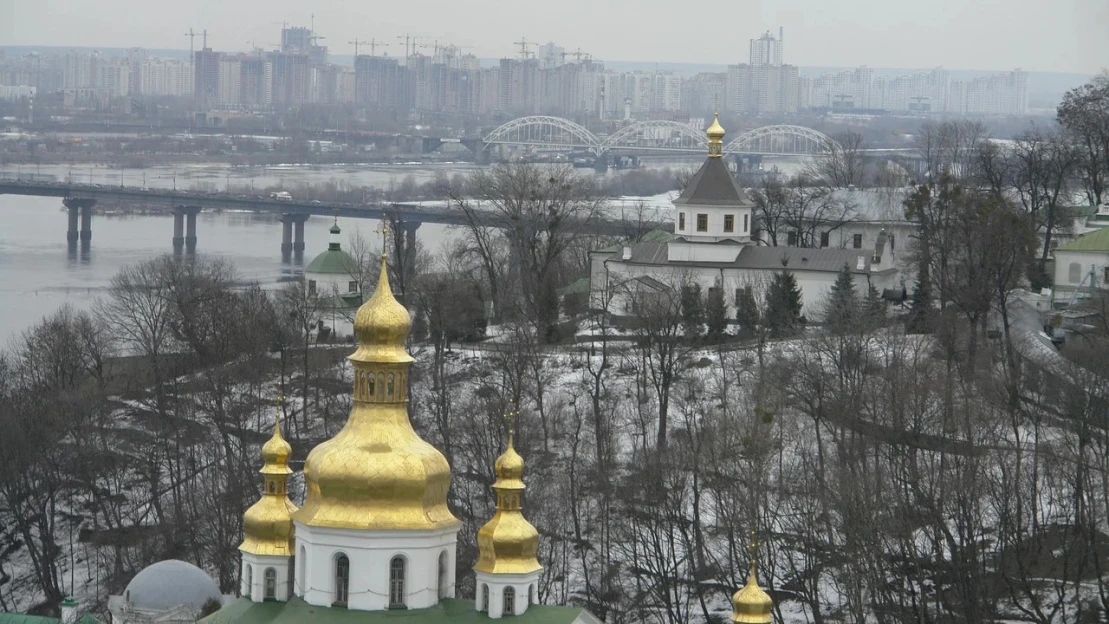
38,273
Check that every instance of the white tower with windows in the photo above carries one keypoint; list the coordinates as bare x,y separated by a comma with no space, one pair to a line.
507,570
711,209
375,532
267,547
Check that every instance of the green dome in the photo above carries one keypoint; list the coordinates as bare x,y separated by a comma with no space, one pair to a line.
335,229
333,261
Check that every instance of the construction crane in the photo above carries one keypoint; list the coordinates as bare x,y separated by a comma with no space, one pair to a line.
524,44
373,43
409,42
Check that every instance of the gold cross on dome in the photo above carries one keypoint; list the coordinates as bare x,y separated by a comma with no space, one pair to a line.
383,229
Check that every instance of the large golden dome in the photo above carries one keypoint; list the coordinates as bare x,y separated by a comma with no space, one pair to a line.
268,524
508,543
751,605
377,473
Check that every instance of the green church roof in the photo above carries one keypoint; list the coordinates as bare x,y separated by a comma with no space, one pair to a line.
449,610
331,261
1094,241
19,618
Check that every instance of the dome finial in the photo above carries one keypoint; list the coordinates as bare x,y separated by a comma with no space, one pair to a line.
752,605
715,133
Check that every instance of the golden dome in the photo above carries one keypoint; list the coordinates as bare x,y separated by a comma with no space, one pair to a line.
382,325
377,473
751,605
715,131
508,543
268,524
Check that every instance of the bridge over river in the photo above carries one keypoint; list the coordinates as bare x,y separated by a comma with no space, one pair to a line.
80,201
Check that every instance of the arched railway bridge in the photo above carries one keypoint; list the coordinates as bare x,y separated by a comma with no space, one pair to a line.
656,136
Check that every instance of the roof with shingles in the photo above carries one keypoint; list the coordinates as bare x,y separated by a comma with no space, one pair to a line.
1094,241
334,261
713,185
244,611
762,258
19,618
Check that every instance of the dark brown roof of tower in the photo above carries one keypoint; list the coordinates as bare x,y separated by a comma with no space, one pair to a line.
713,185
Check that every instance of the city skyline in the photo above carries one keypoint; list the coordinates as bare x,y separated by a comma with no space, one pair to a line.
1060,38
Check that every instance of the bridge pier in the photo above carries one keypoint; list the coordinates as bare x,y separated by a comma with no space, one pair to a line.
184,228
292,235
81,208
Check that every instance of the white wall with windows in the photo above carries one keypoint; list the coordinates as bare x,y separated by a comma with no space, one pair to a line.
374,570
266,577
500,595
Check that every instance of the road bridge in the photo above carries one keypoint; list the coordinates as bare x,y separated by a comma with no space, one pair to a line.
80,201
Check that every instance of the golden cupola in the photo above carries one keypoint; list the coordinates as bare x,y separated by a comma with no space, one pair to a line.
268,524
752,605
377,473
715,133
508,543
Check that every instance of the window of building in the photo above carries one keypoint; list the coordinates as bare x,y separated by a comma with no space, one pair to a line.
352,286
249,581
396,583
311,287
531,595
891,242
823,239
271,584
342,580
702,223
389,386
509,601
729,223
1074,273
791,239
746,222
443,574
681,220
485,598
857,241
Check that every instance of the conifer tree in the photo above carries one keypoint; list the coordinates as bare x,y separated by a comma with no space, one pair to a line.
746,310
693,311
874,308
716,314
783,305
841,310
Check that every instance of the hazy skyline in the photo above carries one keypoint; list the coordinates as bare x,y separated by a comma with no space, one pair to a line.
1067,36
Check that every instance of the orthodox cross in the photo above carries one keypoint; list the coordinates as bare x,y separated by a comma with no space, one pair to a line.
383,229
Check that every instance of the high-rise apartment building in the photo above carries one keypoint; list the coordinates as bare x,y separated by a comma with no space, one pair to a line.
206,78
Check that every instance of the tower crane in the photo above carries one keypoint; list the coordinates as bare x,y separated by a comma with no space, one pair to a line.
525,45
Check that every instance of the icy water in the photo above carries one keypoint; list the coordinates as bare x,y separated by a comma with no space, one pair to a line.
38,273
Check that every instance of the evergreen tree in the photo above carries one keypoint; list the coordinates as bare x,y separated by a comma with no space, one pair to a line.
746,310
920,312
716,314
693,311
874,308
841,310
783,305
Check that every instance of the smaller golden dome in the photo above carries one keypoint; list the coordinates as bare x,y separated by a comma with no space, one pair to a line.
268,523
508,543
382,325
751,605
509,468
715,131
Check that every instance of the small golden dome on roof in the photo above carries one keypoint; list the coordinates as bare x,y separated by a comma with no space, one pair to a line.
508,543
715,133
268,523
752,605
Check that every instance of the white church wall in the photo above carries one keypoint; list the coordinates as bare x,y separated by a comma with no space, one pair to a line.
370,554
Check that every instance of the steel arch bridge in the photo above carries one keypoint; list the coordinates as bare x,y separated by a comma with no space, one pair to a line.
781,139
658,135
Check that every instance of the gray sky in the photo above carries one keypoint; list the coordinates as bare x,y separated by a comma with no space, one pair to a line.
1037,35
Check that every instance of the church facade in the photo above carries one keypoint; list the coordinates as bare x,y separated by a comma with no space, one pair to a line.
712,247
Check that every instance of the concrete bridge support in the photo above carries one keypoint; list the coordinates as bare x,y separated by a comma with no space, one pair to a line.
184,228
292,235
79,209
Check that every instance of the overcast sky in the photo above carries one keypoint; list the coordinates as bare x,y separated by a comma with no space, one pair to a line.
1045,35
